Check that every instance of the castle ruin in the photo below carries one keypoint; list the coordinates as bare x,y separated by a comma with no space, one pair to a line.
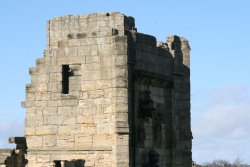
105,95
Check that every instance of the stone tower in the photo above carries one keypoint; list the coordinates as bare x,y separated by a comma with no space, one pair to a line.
105,95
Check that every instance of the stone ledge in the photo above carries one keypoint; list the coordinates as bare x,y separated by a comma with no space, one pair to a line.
66,149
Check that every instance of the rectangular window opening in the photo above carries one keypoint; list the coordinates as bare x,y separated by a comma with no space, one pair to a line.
65,79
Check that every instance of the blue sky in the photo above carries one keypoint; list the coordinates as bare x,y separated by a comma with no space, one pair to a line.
218,32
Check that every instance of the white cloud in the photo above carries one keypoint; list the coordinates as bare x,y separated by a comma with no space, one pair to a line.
220,124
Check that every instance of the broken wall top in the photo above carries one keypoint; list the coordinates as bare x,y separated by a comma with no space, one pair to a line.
92,25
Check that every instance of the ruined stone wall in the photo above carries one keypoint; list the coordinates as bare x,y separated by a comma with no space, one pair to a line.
106,95
14,157
4,154
160,100
88,119
152,73
182,139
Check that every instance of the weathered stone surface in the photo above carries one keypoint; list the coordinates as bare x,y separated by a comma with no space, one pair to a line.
107,95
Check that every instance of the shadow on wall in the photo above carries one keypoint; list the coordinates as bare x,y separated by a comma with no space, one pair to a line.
176,135
181,51
73,163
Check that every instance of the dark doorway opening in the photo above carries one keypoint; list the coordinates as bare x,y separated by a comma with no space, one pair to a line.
73,163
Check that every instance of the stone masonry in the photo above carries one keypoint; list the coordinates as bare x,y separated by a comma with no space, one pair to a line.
105,95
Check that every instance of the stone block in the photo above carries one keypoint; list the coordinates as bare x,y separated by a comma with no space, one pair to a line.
68,103
53,120
106,109
122,124
93,58
84,140
32,71
84,119
122,140
105,32
121,71
146,39
102,140
87,104
30,130
49,111
92,76
33,121
102,160
103,84
31,111
40,61
103,23
120,82
121,99
95,94
54,103
70,60
87,67
88,128
69,120
65,111
93,41
102,128
43,96
122,130
120,92
69,129
55,77
121,116
96,66
43,158
121,107
49,140
46,130
55,87
40,103
120,38
34,141
30,88
32,158
120,48
105,61
65,140
83,50
106,74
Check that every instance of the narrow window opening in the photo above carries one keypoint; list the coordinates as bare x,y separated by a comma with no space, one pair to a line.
65,79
